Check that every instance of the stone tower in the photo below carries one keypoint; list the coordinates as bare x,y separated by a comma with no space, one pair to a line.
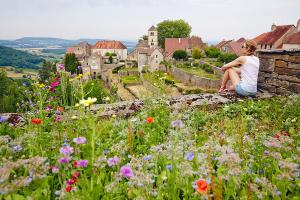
152,37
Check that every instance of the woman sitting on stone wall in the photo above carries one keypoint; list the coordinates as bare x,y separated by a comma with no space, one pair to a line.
244,78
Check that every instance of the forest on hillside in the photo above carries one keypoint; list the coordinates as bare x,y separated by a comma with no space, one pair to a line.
16,58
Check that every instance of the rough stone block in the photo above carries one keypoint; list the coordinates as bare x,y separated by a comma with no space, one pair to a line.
294,87
269,88
267,65
294,65
282,91
289,78
287,71
278,83
280,63
294,59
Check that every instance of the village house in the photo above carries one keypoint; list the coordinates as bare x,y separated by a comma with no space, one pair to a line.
93,57
293,42
186,44
110,47
231,46
276,37
147,53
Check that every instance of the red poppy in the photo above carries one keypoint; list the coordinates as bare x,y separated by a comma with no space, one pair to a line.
60,109
36,121
74,179
281,133
202,186
75,164
76,174
150,120
69,188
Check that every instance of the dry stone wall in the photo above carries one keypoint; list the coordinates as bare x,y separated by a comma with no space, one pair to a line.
279,71
193,80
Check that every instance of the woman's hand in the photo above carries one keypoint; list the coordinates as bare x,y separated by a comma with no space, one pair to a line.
224,68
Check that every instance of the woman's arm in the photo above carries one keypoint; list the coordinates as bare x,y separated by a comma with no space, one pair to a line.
237,62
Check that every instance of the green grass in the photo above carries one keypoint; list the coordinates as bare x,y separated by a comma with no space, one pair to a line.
200,72
128,69
130,80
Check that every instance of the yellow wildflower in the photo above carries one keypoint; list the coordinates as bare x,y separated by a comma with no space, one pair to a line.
87,102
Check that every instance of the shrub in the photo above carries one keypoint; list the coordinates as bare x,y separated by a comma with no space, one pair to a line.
180,55
207,68
169,81
197,53
212,52
227,57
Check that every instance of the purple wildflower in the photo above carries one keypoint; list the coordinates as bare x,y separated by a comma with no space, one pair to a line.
169,167
66,150
82,163
177,124
148,157
126,171
64,160
113,161
80,140
189,156
55,169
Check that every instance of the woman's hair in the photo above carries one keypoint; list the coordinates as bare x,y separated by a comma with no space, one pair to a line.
251,47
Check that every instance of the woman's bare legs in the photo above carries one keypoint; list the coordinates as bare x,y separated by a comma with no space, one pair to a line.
234,77
226,76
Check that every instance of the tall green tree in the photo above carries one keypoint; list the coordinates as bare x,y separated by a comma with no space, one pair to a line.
10,93
48,67
172,29
71,62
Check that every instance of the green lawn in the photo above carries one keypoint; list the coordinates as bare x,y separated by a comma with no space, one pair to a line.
130,79
200,72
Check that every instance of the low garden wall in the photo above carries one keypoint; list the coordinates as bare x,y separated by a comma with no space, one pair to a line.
150,87
193,80
128,73
279,71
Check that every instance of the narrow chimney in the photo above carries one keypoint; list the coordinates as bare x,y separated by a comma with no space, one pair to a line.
298,25
273,27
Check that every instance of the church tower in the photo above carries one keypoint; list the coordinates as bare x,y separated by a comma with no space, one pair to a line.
152,37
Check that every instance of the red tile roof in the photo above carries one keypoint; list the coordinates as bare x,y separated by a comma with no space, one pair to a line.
241,40
109,45
257,39
237,48
70,50
271,37
293,39
222,43
173,44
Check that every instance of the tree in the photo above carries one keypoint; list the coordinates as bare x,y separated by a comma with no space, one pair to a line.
172,29
45,71
197,53
212,52
180,55
71,62
227,57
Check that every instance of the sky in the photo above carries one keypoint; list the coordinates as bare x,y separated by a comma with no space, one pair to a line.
213,20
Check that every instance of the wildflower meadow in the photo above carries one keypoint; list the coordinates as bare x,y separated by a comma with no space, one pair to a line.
64,149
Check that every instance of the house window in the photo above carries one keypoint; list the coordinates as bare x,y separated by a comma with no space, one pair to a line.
156,56
152,43
270,46
152,33
78,49
265,46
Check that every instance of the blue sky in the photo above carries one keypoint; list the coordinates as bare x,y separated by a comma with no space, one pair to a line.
130,19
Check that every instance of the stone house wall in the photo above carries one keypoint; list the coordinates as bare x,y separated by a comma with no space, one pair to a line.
155,59
279,71
193,80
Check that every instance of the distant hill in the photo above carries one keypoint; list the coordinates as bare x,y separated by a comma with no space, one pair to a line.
52,43
16,58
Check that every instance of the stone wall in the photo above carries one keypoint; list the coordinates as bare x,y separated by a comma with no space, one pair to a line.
193,80
279,71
